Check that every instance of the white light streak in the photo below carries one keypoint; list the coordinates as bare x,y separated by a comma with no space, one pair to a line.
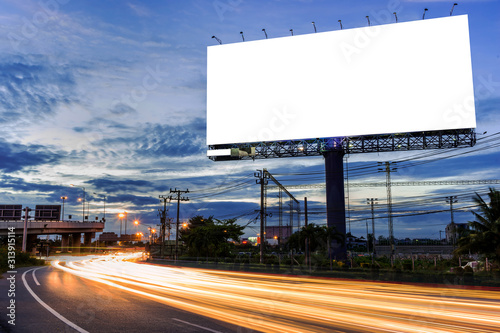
275,303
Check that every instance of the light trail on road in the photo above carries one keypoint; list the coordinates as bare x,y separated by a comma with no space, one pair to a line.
277,303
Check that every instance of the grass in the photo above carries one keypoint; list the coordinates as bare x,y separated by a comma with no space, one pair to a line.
21,259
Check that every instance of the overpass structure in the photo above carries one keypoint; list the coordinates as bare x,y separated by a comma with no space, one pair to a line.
63,228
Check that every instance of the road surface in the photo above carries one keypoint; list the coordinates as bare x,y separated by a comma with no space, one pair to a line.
108,294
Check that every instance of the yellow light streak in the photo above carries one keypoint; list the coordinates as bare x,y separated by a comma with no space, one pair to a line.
274,303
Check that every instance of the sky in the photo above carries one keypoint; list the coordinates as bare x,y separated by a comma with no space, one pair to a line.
111,96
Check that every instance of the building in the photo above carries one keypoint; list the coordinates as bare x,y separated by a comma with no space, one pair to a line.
453,231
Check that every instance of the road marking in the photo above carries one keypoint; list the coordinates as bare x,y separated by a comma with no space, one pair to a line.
202,327
54,312
34,276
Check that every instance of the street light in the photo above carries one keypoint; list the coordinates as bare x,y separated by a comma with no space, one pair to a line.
152,232
63,199
104,214
121,216
82,200
151,229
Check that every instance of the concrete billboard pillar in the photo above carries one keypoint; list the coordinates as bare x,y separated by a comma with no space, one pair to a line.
87,241
335,200
77,242
64,242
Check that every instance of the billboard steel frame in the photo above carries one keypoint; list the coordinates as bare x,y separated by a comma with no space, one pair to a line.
444,139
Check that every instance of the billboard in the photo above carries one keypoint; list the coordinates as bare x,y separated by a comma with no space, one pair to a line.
48,212
10,212
395,78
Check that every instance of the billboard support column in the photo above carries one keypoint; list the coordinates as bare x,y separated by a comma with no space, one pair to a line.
64,242
335,200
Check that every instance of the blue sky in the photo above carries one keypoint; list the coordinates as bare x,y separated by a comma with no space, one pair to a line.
111,96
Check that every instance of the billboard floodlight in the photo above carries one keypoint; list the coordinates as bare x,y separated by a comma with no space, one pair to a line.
265,33
340,22
242,37
314,25
423,16
368,18
396,16
291,30
452,7
217,39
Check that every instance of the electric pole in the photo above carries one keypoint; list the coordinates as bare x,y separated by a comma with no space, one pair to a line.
163,222
306,222
388,169
262,177
372,202
179,199
451,200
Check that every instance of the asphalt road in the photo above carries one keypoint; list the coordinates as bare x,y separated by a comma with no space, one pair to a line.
113,294
92,307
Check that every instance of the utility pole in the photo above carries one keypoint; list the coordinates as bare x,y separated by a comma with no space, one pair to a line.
163,221
306,222
372,202
262,176
388,169
367,241
451,200
25,228
179,199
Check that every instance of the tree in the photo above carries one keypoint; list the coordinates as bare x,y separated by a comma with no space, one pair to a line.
210,237
484,235
319,237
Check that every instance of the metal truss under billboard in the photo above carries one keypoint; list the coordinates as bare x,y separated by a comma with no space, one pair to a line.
350,145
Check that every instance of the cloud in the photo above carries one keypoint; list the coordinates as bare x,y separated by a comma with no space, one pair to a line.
139,10
15,157
157,140
31,88
122,109
134,199
114,185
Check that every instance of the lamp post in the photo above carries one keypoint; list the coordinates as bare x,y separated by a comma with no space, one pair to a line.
126,218
104,214
152,232
64,198
82,200
151,229
121,215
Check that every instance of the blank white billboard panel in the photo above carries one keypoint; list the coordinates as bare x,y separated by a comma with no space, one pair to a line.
403,77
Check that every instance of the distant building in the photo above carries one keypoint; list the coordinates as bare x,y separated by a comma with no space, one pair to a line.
453,231
108,237
273,232
129,238
112,237
353,241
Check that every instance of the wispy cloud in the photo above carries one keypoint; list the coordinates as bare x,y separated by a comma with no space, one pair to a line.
31,87
139,10
16,157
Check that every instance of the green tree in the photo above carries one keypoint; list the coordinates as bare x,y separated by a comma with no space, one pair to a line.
319,237
211,237
484,235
